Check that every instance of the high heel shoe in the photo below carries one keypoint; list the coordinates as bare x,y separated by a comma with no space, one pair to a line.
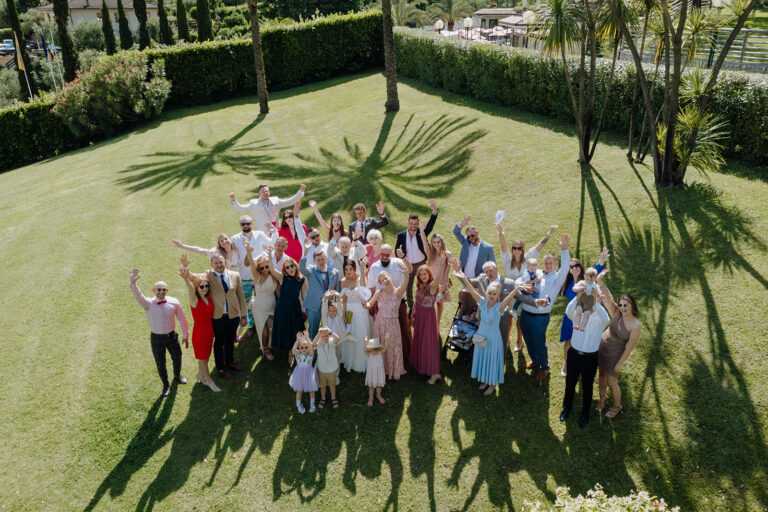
615,411
601,404
200,379
213,386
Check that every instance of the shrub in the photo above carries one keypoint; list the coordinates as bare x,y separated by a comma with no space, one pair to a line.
525,79
88,58
10,88
88,36
596,499
120,89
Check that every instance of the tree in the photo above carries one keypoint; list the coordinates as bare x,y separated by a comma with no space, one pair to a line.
204,24
13,17
686,134
126,37
140,8
181,21
407,14
450,11
106,27
390,67
258,57
68,52
166,34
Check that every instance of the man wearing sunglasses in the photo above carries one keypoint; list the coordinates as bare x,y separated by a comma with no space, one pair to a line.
474,252
162,311
257,240
265,208
314,243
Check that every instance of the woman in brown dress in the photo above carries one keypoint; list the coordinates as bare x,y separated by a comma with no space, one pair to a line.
617,343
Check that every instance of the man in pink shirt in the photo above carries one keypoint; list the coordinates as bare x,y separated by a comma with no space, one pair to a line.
162,312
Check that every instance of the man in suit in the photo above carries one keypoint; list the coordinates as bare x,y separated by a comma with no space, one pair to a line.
340,252
266,208
365,223
320,279
409,242
474,251
229,311
490,275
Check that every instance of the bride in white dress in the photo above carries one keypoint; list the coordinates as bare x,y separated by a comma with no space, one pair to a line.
353,295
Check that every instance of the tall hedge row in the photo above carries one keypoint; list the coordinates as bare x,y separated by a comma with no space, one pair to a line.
526,80
206,72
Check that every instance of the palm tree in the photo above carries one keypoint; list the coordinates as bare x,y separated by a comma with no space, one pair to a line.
390,67
181,21
126,37
68,52
406,13
258,57
450,11
106,26
140,8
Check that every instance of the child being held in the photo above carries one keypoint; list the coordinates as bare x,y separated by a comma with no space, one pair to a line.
327,364
531,276
374,372
586,291
303,378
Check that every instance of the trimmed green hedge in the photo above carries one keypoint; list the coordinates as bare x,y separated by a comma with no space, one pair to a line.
211,71
524,79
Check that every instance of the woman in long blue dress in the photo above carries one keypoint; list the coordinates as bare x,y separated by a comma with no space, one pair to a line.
488,359
575,275
289,319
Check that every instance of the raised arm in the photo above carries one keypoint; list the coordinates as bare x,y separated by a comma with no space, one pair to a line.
140,298
458,227
604,255
242,208
404,270
184,274
565,261
545,239
509,298
190,248
277,276
610,304
471,289
282,203
432,217
502,240
378,224
319,216
373,300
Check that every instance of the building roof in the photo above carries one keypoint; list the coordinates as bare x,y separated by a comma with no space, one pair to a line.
96,4
512,20
495,12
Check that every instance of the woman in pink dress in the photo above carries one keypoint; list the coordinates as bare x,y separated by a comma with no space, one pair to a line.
437,259
386,322
294,232
425,352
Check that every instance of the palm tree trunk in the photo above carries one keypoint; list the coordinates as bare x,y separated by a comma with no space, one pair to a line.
390,67
574,104
608,87
258,57
634,91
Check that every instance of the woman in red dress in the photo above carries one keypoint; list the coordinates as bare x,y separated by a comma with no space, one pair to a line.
202,332
293,233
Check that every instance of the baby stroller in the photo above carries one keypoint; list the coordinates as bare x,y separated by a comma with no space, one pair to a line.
463,327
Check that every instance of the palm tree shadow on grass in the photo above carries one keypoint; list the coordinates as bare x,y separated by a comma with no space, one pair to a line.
165,170
424,159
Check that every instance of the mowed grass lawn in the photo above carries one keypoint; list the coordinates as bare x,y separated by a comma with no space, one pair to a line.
82,425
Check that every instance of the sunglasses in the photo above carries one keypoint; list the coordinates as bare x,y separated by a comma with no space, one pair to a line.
336,222
290,265
204,286
313,237
261,268
623,305
576,266
517,248
245,223
471,237
161,289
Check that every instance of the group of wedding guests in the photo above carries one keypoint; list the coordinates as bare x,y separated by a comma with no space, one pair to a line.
338,297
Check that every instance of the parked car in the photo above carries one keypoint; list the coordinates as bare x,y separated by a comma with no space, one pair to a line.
7,49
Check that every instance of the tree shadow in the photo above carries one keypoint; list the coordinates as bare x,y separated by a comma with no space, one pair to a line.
189,168
148,440
425,159
422,414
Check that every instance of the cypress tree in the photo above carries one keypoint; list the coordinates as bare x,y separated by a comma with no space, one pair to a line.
106,27
204,24
140,8
166,34
126,38
68,52
13,17
181,21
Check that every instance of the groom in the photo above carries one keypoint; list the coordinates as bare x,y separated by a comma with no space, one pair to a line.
320,279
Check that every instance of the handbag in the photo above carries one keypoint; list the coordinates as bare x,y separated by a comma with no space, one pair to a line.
479,340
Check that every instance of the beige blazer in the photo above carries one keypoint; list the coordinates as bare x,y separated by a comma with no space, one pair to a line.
234,298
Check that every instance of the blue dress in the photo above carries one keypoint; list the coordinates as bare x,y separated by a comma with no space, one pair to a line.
566,329
488,361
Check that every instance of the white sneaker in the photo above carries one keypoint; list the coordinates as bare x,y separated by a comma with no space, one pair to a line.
312,408
301,409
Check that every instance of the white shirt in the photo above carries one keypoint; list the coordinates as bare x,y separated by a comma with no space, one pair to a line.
277,264
226,280
262,212
312,249
510,271
327,361
393,269
413,254
258,239
550,285
589,340
469,268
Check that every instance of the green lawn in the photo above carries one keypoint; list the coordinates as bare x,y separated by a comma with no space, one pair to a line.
758,20
81,422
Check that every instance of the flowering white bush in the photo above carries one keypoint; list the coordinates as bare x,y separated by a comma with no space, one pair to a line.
597,500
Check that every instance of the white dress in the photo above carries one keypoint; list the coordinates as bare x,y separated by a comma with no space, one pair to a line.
262,303
352,354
